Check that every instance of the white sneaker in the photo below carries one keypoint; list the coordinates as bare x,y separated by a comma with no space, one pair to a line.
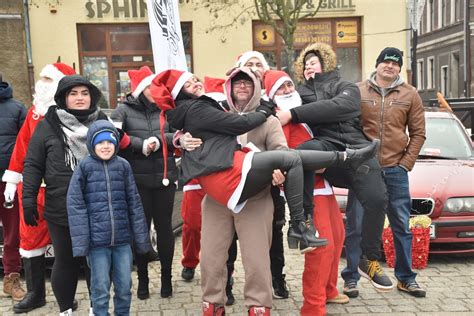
66,313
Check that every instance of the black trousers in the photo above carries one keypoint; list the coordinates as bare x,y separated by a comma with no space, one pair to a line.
66,268
368,185
277,255
293,162
158,206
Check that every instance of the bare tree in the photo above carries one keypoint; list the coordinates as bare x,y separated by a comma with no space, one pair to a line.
288,13
282,15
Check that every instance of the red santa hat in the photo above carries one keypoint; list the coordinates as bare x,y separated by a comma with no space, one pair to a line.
214,88
57,71
273,80
164,89
245,57
140,79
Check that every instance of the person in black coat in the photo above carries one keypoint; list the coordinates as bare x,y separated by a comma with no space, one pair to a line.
331,108
56,147
12,116
139,117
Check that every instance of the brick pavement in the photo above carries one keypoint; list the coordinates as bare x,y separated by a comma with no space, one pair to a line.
449,280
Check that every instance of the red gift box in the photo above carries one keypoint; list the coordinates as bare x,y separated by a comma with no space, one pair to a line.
420,247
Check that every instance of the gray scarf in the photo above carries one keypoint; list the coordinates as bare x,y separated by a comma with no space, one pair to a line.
75,134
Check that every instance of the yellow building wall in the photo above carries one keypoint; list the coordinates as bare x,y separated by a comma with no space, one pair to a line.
54,34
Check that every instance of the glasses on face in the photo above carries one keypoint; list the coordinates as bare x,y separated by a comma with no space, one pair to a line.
239,83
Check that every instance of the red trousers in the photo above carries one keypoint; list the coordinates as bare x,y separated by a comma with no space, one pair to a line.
321,265
10,221
191,235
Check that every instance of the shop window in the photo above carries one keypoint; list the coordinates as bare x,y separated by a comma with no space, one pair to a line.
107,51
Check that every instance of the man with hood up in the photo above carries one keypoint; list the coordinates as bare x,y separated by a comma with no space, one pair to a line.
331,107
389,108
12,116
253,228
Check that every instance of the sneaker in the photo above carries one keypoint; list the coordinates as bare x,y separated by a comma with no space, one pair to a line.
339,299
280,290
412,288
371,270
350,289
187,274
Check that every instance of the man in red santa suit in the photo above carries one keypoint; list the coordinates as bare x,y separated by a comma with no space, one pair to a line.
321,265
33,239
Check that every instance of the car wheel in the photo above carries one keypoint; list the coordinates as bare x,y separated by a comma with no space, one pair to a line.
153,254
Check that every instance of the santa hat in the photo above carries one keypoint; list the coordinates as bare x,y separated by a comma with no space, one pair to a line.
57,71
164,89
245,57
273,80
140,79
214,88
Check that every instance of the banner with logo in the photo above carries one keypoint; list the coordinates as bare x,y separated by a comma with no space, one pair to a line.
166,36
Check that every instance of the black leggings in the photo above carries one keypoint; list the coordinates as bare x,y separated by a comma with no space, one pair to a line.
158,206
293,162
66,268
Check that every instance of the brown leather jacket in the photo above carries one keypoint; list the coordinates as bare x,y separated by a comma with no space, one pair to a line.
389,117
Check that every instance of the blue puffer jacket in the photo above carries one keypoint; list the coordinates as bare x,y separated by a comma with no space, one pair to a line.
12,116
104,208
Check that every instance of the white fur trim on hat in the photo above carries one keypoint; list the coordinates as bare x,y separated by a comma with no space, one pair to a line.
245,57
277,85
51,72
143,84
180,83
218,96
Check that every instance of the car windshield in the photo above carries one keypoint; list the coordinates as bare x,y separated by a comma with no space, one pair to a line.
445,138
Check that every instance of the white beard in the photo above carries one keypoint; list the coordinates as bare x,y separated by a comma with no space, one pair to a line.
44,96
287,102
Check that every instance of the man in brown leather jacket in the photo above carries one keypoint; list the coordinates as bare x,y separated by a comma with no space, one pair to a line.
389,107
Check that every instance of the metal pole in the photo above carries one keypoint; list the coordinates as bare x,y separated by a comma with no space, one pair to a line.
413,58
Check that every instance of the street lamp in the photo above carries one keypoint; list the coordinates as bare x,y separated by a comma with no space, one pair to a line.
415,11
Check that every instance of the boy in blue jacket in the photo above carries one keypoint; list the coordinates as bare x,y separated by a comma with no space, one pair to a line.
106,216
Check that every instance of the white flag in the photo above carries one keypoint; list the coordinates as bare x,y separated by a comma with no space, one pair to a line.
166,37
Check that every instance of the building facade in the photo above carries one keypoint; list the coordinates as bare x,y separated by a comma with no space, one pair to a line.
13,57
445,49
105,38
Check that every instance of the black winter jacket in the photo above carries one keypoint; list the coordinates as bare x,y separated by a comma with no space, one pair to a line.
45,158
12,116
331,107
204,118
141,120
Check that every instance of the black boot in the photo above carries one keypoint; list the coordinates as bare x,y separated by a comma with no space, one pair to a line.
305,234
354,158
166,285
35,283
143,291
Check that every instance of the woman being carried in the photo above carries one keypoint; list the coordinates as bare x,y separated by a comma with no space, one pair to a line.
229,173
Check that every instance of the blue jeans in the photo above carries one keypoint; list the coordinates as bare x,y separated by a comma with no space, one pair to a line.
396,180
116,263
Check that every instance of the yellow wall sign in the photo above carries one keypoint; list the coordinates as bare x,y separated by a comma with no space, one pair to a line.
346,31
264,35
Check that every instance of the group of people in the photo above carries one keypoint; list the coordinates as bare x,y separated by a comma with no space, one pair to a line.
92,185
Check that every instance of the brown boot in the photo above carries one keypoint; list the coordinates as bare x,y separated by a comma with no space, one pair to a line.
12,286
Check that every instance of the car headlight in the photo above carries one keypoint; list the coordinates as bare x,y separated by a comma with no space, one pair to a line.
342,201
456,205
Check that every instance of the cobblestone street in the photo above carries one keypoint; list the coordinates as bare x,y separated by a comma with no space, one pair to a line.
448,279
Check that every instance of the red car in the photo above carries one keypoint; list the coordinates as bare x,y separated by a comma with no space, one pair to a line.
442,184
